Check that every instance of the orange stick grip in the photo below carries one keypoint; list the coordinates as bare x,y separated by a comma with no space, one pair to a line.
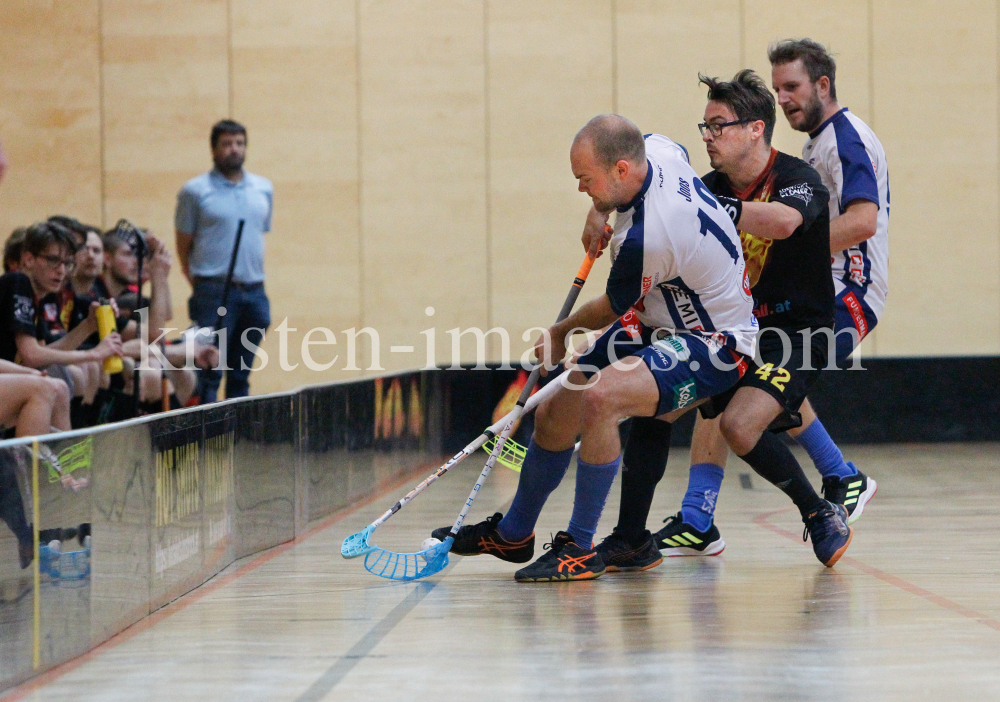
585,267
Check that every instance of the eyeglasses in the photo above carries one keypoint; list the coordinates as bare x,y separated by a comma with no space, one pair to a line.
56,261
717,127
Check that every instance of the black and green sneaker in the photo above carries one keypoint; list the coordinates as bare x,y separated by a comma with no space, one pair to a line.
483,538
564,561
853,492
678,538
621,554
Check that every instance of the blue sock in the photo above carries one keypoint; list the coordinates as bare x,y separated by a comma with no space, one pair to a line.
541,473
823,452
698,506
593,483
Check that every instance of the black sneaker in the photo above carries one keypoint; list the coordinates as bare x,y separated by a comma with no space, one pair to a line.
57,534
678,538
853,492
829,533
564,561
620,554
483,538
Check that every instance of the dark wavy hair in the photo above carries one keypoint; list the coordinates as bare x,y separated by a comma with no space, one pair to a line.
815,59
42,235
747,96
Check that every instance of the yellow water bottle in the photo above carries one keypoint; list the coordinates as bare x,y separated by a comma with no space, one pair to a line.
105,325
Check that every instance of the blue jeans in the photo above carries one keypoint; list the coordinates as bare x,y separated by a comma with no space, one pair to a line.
246,309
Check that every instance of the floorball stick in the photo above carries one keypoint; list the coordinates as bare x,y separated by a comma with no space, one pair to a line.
413,566
359,544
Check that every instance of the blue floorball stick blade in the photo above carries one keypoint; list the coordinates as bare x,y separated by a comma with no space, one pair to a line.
408,566
357,544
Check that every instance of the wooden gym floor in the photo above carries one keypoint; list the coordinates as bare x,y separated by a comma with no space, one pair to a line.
912,612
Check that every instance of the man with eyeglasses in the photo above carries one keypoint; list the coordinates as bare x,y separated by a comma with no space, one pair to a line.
780,207
31,331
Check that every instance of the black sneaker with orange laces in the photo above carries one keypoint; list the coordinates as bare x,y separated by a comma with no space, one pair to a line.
564,561
621,554
483,538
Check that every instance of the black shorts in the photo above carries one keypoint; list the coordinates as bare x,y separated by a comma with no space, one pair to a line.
781,370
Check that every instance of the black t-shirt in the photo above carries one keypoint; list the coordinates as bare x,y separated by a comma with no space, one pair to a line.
47,320
789,278
17,312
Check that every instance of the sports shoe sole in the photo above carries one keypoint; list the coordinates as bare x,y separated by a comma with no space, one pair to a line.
632,569
840,551
713,549
863,499
561,578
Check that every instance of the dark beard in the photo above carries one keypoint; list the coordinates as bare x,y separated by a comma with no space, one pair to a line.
121,280
230,165
813,115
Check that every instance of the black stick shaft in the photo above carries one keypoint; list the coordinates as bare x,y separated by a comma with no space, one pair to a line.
229,273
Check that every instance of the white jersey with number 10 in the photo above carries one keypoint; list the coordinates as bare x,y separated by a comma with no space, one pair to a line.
676,256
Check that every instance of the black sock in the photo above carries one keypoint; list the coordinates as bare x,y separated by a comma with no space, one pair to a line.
78,413
643,464
774,462
11,505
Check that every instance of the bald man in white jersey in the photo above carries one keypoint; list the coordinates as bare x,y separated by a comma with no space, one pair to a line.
852,165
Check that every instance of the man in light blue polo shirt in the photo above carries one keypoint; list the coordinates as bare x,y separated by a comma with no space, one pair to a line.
209,208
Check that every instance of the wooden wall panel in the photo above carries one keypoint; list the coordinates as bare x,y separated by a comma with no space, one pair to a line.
50,111
662,47
936,104
294,85
423,170
166,81
543,86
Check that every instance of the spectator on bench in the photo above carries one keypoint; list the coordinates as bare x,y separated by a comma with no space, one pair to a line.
122,280
31,331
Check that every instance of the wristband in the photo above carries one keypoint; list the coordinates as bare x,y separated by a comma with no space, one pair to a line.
732,206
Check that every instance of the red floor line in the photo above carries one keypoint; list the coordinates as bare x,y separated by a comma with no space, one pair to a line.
53,674
763,520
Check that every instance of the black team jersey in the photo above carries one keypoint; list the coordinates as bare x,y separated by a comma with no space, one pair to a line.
789,278
47,319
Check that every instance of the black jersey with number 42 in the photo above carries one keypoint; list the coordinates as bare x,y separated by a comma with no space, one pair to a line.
789,278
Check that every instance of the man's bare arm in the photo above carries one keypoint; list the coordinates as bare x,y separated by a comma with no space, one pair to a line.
858,223
596,233
34,355
184,243
769,220
160,310
74,337
596,314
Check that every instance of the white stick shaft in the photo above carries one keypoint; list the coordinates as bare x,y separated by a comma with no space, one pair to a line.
490,462
506,423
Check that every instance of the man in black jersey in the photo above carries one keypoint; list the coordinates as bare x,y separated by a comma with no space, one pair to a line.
780,207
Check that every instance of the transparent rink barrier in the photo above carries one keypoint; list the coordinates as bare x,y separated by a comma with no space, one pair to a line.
164,503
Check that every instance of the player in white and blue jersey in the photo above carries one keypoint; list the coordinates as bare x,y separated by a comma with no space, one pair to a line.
852,165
